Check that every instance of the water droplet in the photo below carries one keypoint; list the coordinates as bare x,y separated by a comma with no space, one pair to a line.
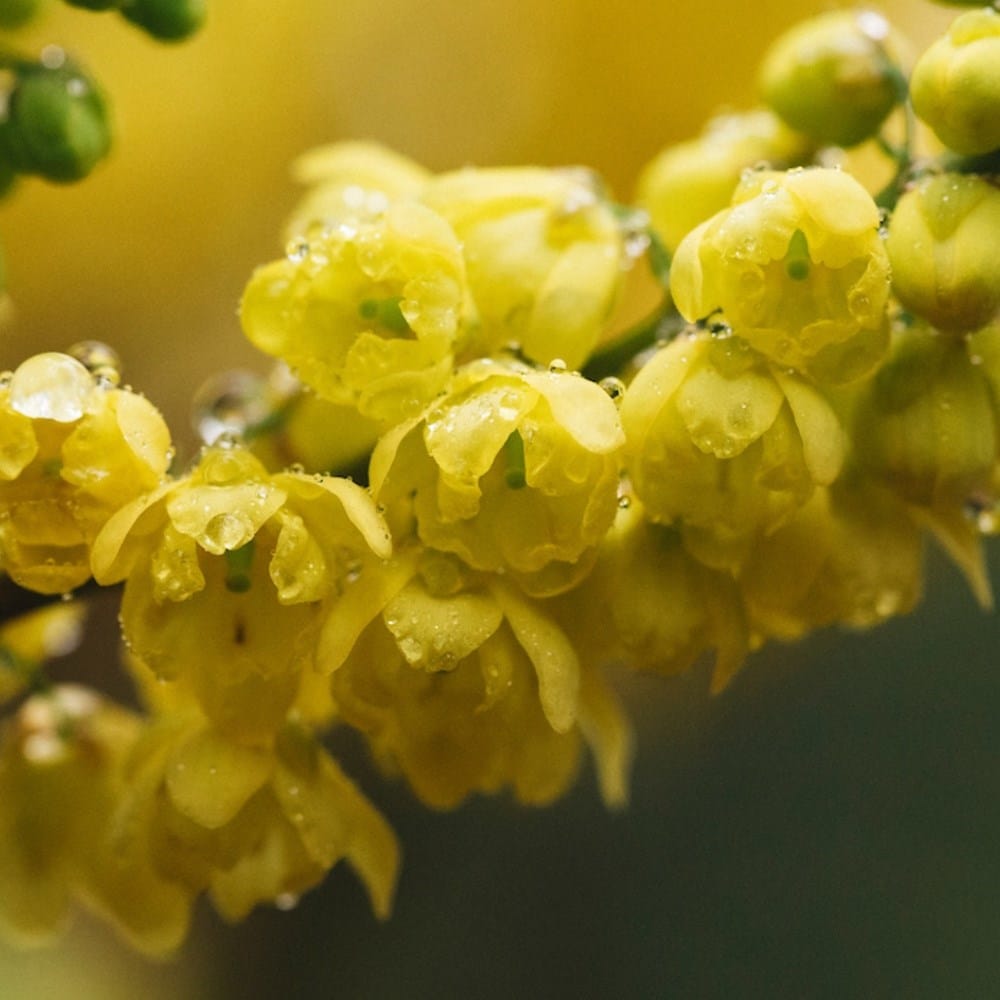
614,387
229,403
557,366
624,501
297,249
52,57
76,86
52,387
286,901
101,360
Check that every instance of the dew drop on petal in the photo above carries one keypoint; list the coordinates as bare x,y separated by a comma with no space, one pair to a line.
614,387
101,360
297,250
51,387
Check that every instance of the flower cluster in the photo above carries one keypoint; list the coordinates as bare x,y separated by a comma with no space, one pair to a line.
537,496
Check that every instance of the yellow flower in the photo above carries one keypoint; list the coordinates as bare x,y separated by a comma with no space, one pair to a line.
688,183
955,86
464,685
926,426
834,77
543,252
366,313
250,825
943,244
651,605
61,778
513,470
350,181
230,573
725,445
72,452
852,555
797,268
28,641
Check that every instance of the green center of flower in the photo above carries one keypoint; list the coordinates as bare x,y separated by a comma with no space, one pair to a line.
797,257
238,564
386,313
514,456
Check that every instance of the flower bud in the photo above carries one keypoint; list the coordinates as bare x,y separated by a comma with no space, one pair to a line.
833,77
543,253
167,20
57,124
797,268
944,247
955,85
688,183
350,180
925,424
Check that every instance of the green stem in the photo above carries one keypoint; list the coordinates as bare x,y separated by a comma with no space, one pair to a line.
663,323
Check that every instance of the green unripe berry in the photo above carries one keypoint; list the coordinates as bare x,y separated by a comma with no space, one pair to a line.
832,77
944,248
57,124
956,84
167,20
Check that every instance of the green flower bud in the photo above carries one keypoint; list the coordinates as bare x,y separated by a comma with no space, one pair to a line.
167,20
56,125
833,77
925,424
943,244
688,183
955,86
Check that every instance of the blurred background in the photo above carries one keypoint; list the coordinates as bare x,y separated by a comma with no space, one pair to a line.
830,826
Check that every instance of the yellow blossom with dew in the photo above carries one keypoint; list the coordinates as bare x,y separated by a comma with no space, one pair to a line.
464,685
852,555
926,426
691,181
73,450
543,253
512,470
724,444
367,312
229,573
797,268
348,181
651,605
249,825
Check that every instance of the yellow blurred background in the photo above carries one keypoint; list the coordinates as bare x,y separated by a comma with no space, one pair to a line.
152,252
